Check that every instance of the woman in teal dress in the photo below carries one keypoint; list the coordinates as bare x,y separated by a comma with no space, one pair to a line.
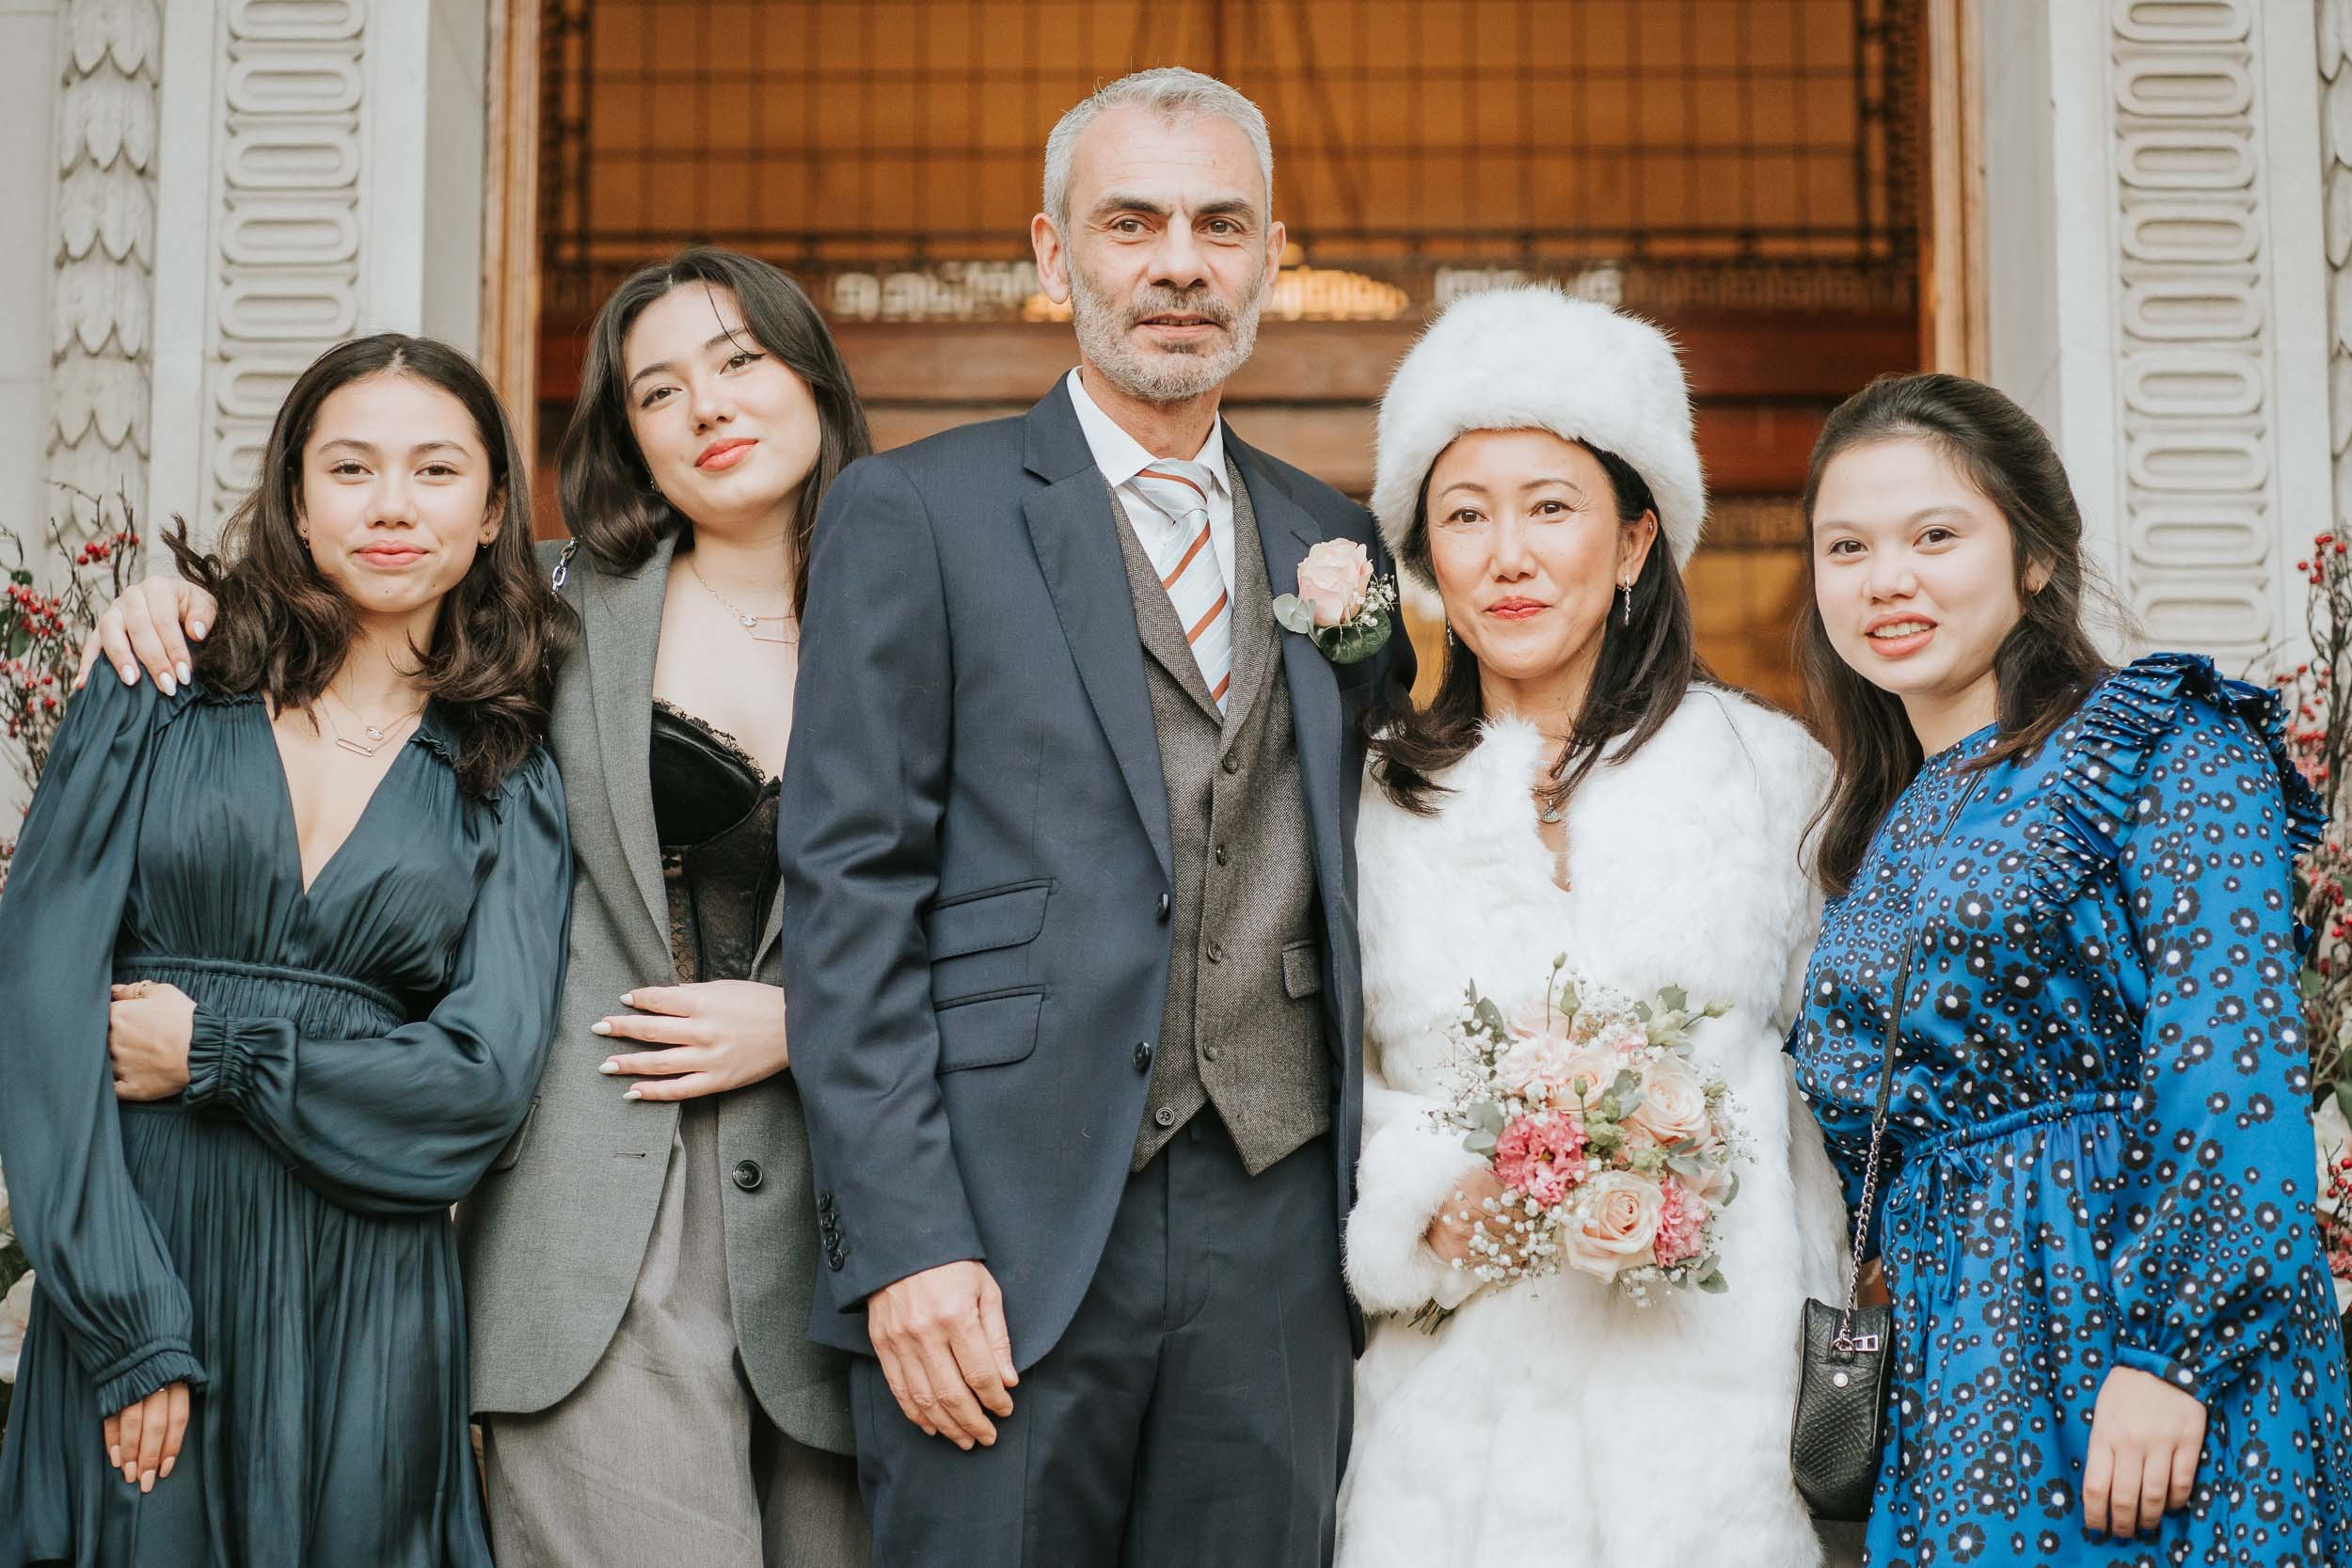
2115,1339
328,881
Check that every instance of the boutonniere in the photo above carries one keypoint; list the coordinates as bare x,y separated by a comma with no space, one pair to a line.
1340,606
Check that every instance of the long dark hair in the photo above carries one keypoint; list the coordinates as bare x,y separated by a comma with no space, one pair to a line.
2043,668
1644,670
283,631
610,500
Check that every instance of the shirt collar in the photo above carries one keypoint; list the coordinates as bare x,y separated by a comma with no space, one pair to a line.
1120,456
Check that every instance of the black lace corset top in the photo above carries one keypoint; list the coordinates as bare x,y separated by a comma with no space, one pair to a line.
716,817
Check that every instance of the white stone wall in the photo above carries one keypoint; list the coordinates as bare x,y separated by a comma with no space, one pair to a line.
29,52
2158,291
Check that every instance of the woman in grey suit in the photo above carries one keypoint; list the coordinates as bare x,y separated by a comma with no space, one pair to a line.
638,1263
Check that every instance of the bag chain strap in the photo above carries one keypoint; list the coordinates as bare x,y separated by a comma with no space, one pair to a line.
1846,1341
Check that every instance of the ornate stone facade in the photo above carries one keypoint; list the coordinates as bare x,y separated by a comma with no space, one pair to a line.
102,297
2198,374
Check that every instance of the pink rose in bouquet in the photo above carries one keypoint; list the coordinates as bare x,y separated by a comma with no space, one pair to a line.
1614,1149
1614,1224
1332,580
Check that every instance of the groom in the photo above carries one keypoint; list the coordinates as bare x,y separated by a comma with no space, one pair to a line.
1070,914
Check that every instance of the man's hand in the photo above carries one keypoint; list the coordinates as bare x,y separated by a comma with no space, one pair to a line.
143,1439
150,1026
145,627
945,1351
2146,1438
720,1035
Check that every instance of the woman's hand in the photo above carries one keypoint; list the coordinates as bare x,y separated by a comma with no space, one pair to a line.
144,627
1462,1217
1870,1285
143,1439
721,1034
149,1026
2146,1438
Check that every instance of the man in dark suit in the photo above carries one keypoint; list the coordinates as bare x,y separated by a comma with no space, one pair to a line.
1069,933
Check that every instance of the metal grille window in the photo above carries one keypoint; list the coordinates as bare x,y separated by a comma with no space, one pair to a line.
1738,154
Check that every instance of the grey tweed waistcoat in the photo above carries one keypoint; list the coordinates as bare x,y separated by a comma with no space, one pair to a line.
1242,1029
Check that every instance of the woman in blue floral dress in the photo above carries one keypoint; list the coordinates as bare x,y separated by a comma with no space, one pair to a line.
2115,1338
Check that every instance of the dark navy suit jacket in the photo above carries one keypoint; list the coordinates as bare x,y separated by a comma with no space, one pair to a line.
976,874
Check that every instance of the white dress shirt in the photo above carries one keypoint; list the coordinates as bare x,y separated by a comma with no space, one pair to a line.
1121,457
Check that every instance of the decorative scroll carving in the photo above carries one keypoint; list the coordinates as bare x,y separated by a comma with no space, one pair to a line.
286,237
2192,316
2335,170
102,298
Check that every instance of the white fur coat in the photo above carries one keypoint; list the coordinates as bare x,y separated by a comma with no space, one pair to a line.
1552,1422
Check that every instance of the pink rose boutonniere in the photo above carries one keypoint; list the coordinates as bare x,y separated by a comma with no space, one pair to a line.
1339,605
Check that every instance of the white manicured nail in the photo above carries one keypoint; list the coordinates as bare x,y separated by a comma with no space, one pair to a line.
610,1067
185,676
600,1027
168,684
196,628
632,1094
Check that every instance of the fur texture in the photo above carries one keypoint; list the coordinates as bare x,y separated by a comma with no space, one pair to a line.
1551,1422
1535,358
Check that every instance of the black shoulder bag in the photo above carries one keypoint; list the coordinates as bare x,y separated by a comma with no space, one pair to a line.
1842,1350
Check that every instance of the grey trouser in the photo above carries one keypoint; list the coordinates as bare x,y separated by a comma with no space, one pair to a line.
1194,1413
663,1455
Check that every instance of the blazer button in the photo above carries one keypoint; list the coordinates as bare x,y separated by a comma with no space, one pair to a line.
1217,952
1143,1055
1233,765
747,1175
1165,1115
834,1257
1166,904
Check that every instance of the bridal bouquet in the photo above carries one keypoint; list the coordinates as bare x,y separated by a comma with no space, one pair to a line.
1615,1151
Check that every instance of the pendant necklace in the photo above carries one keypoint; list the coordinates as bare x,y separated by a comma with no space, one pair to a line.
750,623
380,734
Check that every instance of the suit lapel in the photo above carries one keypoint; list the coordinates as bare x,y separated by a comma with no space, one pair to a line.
1076,541
1286,534
1253,621
621,659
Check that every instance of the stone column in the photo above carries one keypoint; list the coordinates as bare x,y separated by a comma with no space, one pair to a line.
2156,282
323,174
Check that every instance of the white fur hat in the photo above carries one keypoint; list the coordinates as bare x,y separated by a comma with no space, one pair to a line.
1534,358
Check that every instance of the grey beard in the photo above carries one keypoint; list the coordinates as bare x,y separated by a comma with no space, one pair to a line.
1175,376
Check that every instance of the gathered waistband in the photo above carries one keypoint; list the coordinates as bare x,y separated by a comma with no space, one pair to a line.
159,965
2090,1103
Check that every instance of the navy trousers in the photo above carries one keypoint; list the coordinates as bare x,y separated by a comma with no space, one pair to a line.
1196,1411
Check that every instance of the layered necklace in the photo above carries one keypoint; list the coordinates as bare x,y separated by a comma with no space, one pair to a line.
378,736
753,625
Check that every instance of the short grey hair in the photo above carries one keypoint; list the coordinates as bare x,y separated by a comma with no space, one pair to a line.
1171,92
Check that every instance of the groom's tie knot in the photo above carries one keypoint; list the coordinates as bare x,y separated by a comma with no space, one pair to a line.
1187,566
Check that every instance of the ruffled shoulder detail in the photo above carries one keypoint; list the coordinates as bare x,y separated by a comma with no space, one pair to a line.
2104,753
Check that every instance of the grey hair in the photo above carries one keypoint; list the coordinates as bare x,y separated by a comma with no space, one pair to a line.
1172,92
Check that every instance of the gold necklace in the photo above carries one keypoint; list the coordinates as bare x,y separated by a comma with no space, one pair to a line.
750,623
380,734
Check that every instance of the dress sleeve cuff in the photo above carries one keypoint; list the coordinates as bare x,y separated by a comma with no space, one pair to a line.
216,1062
2177,1374
150,1368
1408,1172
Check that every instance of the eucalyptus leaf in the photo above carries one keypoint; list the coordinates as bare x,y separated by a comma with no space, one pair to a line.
1356,641
1488,1115
1490,1019
1716,1284
2344,1099
1292,612
1480,1142
1675,999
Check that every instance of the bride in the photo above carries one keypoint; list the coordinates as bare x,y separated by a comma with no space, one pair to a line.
1576,784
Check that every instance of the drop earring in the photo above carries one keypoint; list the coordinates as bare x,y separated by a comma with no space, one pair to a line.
1448,634
1628,602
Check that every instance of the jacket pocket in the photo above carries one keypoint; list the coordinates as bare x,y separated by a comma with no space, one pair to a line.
1302,969
988,1031
994,917
510,1155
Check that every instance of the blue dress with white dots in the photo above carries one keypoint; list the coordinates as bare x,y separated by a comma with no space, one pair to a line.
2099,1148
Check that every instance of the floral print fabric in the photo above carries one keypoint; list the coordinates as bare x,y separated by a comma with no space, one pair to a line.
2099,1150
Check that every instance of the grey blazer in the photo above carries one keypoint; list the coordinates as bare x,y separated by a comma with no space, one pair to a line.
554,1236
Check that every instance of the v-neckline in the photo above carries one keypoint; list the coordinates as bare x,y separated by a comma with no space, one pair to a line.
292,834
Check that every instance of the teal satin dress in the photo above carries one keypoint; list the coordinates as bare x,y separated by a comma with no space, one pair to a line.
279,1236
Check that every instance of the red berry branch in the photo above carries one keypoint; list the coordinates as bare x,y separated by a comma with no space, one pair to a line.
2319,736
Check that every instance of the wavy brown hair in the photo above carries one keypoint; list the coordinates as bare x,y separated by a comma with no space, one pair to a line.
1643,671
610,503
283,631
2043,669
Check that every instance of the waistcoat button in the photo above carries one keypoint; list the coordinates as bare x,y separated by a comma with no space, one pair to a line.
747,1175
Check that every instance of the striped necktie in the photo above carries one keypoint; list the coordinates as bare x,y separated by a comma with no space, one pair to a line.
1187,565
